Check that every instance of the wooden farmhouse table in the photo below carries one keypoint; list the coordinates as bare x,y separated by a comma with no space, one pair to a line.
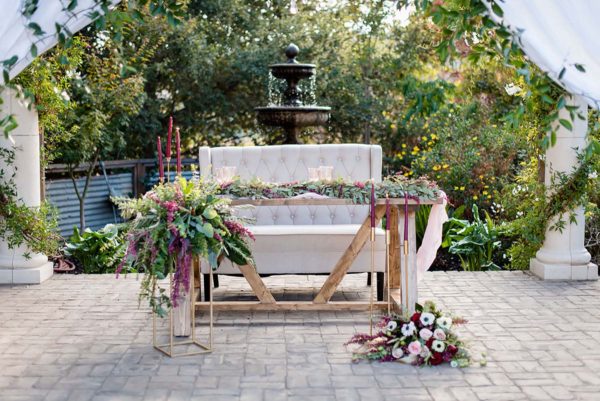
403,267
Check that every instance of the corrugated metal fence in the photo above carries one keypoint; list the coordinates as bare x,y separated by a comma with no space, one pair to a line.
98,208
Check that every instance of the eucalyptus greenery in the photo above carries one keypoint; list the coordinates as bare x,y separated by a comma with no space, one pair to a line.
358,192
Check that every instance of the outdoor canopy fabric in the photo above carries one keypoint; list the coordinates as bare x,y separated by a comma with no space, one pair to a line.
16,37
557,34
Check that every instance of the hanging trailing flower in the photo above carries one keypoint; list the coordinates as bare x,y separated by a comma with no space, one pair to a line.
171,225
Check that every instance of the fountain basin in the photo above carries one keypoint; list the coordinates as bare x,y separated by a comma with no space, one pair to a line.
294,71
293,116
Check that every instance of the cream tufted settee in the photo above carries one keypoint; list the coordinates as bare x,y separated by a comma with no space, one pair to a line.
302,239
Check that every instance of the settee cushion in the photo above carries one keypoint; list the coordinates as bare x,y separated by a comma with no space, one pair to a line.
306,249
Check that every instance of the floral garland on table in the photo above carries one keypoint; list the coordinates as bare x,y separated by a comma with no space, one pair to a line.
172,223
396,186
427,338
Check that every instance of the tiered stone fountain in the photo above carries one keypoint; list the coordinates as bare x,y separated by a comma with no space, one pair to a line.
292,113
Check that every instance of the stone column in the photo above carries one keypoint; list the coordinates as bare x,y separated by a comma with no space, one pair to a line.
563,255
15,268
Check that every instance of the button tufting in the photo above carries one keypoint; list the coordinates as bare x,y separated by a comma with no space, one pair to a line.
357,157
275,217
312,216
332,216
292,216
340,158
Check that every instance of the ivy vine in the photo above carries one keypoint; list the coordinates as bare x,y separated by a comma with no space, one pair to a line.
20,224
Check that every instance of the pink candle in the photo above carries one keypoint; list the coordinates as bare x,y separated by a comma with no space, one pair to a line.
387,212
178,144
169,138
372,204
161,168
405,216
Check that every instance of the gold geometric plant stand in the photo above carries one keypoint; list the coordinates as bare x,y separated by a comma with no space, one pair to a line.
169,349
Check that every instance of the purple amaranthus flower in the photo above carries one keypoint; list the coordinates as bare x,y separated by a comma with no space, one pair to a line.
181,276
238,228
130,251
171,207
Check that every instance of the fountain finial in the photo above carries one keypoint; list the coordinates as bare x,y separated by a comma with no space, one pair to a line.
291,52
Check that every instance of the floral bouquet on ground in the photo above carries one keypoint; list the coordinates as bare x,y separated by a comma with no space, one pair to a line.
169,226
427,338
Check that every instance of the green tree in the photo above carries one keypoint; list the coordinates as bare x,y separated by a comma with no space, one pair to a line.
104,101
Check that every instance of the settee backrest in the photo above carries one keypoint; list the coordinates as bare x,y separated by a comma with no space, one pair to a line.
287,163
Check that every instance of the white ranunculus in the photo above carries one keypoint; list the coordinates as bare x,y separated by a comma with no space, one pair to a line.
427,318
408,329
425,352
425,334
397,353
439,334
438,346
391,326
444,322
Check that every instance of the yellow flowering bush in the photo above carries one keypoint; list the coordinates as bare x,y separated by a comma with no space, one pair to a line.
470,160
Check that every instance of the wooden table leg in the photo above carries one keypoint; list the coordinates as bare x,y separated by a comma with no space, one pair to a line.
258,286
341,268
403,275
394,247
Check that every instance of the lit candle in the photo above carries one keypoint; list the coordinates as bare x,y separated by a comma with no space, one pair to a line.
372,204
406,216
387,212
161,168
178,144
169,138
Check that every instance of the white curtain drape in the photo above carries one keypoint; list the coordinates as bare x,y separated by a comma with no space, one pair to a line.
16,38
557,34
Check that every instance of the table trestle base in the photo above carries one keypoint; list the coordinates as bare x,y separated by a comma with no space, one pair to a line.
359,306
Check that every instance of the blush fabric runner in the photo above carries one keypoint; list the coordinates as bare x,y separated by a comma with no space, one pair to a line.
433,233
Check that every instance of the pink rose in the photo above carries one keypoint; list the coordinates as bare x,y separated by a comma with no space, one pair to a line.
414,348
439,334
425,334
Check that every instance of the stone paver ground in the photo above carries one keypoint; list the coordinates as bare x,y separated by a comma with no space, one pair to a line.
80,338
